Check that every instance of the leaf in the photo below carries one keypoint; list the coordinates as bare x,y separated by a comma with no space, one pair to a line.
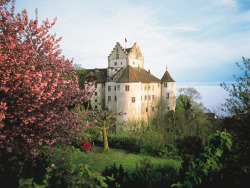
23,182
219,152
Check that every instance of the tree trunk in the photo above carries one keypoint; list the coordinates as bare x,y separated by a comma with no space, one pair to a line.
105,139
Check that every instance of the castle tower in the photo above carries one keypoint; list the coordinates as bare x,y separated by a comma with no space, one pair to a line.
121,58
168,90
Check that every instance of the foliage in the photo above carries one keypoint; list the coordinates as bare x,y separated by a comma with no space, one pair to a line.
239,101
119,174
237,162
147,174
190,145
209,161
190,114
121,142
37,86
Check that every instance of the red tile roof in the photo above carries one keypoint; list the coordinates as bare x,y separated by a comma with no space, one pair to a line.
132,74
167,78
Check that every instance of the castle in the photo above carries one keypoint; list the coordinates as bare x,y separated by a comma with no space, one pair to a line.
125,86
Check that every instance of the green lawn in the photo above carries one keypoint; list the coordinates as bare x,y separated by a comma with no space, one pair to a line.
97,159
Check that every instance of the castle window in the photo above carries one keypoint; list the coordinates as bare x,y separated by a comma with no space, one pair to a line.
133,99
149,97
95,107
95,93
116,69
146,109
118,87
115,88
149,87
167,95
115,98
145,87
168,108
109,98
109,88
153,108
145,97
117,55
121,63
115,63
153,97
126,88
95,85
165,84
153,87
95,100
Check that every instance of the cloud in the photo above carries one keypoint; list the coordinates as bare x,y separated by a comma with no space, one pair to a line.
181,34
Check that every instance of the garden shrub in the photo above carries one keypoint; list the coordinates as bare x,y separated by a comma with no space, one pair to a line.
167,151
123,142
119,174
209,163
147,174
190,145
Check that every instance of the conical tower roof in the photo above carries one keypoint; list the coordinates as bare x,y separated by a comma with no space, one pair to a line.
167,77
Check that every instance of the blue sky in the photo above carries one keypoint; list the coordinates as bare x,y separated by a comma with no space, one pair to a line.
199,40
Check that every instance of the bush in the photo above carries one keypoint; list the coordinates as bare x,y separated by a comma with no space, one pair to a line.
167,151
149,175
123,142
146,174
190,145
119,174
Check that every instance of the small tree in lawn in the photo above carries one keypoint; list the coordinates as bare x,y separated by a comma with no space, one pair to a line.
37,85
104,120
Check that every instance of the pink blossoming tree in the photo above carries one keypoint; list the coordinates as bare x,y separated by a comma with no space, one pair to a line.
37,85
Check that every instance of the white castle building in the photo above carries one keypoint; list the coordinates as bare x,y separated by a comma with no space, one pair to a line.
125,86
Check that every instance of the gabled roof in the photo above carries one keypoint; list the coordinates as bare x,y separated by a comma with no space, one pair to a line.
98,75
167,78
132,74
126,50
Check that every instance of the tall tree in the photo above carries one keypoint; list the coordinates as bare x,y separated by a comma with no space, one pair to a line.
239,106
239,92
190,113
37,85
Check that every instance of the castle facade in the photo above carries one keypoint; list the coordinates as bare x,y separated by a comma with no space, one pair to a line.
125,86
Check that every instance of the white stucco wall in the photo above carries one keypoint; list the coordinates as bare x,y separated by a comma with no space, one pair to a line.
131,109
170,89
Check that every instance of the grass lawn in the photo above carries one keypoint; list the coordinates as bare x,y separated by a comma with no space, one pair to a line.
97,159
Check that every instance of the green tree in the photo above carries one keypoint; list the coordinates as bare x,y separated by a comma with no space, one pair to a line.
239,101
190,114
238,125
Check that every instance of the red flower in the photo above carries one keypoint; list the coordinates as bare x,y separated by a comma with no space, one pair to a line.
86,146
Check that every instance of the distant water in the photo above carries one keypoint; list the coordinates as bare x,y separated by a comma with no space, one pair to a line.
212,95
